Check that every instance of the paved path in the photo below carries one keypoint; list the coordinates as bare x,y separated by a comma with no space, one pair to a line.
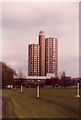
0,108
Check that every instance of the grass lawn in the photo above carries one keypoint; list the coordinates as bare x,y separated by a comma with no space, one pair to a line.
53,103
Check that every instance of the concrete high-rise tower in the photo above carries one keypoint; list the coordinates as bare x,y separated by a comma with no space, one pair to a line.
51,56
33,60
43,57
42,53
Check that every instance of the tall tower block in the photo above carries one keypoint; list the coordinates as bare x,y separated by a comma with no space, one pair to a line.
33,60
52,56
42,53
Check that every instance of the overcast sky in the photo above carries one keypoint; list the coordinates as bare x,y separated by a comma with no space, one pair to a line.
21,23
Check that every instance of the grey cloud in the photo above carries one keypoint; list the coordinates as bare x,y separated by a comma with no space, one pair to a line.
54,18
46,15
70,64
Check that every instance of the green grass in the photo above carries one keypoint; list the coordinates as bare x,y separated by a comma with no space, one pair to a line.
53,103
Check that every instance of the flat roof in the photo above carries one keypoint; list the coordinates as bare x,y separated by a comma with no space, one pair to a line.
37,77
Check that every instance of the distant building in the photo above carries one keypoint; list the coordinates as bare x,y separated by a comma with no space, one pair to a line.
42,53
33,60
51,55
43,57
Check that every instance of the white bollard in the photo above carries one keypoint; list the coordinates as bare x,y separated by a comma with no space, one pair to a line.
37,91
78,90
21,88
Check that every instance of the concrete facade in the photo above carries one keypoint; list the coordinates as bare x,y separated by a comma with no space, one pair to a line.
33,60
42,53
51,45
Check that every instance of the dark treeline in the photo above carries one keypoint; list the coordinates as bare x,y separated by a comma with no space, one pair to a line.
64,81
7,75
